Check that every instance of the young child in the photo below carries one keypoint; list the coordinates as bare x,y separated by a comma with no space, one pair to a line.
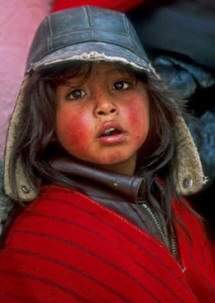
99,147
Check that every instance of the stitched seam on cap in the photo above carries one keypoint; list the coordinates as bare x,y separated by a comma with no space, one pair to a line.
50,34
90,22
89,16
125,21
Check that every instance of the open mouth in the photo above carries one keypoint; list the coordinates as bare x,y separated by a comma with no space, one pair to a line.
111,132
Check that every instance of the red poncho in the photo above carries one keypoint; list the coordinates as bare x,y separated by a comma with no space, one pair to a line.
65,247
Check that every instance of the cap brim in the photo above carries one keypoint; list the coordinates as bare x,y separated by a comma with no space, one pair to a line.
95,51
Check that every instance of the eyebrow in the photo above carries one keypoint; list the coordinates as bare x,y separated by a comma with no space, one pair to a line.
72,82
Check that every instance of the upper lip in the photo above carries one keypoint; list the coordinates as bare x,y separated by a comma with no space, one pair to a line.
108,125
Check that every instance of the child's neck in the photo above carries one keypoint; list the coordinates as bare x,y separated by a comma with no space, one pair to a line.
125,168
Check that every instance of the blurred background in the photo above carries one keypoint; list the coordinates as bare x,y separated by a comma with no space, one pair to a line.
18,22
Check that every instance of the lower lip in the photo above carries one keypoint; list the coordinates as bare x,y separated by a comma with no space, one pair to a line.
115,139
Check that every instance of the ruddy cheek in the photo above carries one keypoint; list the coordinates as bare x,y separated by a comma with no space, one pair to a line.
72,133
138,116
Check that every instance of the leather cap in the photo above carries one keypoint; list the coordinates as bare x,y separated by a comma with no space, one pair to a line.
87,33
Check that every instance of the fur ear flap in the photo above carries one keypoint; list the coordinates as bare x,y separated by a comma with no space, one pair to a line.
189,176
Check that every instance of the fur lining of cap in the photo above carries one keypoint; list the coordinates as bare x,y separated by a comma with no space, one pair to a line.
94,56
26,192
188,176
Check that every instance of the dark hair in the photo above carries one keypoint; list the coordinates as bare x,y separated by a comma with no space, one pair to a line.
35,147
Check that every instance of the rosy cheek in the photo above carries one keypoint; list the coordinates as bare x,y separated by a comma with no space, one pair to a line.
72,131
138,115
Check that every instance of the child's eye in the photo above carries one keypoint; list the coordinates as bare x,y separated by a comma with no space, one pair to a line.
76,94
121,85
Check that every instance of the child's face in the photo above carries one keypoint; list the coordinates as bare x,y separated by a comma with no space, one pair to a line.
104,118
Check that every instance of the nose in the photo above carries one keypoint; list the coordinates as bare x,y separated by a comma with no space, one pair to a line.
105,106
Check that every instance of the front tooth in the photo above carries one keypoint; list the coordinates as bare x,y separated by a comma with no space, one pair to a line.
108,131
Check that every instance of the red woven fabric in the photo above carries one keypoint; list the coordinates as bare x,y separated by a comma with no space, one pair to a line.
66,247
120,5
